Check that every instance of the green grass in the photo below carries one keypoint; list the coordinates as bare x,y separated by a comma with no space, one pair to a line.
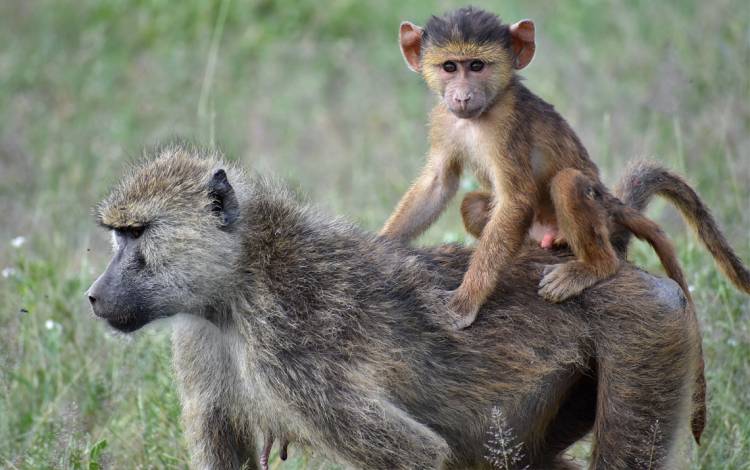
321,97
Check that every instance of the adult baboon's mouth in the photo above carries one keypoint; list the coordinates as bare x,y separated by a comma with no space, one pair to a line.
126,323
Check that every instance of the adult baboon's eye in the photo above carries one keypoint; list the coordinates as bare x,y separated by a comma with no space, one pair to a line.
476,66
136,232
130,232
449,66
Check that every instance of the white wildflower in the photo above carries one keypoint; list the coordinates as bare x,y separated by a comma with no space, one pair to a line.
653,444
504,452
18,242
51,325
7,272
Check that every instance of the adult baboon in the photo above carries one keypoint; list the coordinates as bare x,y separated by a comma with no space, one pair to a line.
301,325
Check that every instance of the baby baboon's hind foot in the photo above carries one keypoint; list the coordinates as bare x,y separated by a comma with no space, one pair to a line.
563,281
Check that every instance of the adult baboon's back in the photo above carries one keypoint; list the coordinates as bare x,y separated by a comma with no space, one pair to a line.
297,324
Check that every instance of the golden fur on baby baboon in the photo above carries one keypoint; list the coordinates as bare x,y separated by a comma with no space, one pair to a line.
523,153
290,323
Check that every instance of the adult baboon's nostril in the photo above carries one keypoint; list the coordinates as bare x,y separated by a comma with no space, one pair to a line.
92,299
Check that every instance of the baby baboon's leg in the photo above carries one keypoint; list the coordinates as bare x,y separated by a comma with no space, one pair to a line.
583,222
475,211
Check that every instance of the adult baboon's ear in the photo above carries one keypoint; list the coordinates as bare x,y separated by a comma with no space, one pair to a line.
224,202
410,38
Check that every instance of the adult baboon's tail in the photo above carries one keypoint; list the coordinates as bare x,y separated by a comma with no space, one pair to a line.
644,179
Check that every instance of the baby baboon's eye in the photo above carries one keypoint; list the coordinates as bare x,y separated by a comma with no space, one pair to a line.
476,66
449,66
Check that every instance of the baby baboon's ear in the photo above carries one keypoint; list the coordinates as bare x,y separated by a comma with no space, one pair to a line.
522,41
410,39
224,203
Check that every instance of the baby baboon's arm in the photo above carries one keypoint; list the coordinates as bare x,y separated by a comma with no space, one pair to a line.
501,238
425,200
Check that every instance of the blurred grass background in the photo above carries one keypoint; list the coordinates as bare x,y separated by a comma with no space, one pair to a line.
318,94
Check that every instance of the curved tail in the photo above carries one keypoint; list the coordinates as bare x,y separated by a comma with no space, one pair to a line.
644,179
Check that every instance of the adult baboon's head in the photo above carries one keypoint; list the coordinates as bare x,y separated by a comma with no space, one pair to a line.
174,222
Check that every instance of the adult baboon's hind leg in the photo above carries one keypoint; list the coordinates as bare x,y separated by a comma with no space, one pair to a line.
645,377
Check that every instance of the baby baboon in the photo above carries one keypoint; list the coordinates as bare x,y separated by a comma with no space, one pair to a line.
524,154
304,326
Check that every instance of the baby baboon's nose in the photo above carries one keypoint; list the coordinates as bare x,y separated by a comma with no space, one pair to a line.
462,100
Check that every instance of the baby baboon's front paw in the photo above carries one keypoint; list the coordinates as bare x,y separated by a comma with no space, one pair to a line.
559,283
462,310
